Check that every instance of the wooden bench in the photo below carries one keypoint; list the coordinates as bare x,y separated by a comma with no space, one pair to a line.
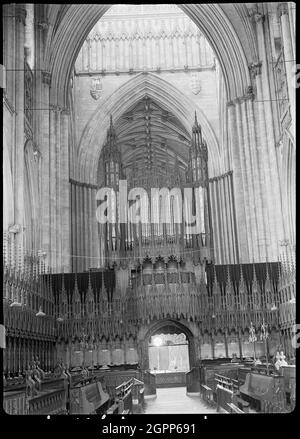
207,393
242,404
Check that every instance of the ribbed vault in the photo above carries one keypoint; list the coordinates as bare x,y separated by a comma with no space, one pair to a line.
120,103
169,139
227,30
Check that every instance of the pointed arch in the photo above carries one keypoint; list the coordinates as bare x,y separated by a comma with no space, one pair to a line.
227,28
128,94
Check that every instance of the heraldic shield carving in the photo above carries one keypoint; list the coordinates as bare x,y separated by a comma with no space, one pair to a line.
196,83
96,88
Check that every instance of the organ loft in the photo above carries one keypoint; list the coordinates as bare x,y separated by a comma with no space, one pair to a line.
149,239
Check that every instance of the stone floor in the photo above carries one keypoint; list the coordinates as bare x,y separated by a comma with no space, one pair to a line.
175,400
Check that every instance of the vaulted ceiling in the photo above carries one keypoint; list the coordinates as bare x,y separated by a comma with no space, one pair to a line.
149,134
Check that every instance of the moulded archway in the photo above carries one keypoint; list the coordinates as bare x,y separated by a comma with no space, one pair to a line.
226,27
161,91
145,333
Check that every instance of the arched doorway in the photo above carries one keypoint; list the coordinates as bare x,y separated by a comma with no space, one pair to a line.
168,352
166,326
172,361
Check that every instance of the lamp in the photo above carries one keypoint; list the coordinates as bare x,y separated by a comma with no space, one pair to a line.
40,313
274,307
15,303
157,341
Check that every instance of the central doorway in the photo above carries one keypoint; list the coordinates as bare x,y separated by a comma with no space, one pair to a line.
168,353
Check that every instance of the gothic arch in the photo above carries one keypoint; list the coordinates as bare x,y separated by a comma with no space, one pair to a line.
165,94
145,334
227,28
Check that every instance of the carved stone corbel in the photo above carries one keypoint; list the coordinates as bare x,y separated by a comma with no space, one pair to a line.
255,69
20,14
282,9
46,77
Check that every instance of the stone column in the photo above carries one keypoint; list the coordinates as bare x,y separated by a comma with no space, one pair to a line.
87,262
240,344
25,354
238,187
257,183
226,342
78,228
289,58
264,96
58,191
73,226
82,228
44,130
232,235
125,350
244,172
96,238
65,192
14,342
225,213
250,172
8,354
219,220
18,177
52,186
90,227
213,345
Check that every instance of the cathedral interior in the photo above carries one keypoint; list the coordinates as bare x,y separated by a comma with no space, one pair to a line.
188,113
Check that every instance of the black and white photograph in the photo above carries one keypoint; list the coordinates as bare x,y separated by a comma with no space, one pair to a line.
149,205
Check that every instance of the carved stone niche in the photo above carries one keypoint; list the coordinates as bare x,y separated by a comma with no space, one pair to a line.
46,77
282,9
20,14
147,279
255,69
256,16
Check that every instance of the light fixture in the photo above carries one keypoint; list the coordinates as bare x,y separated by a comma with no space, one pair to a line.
274,307
213,316
15,304
40,313
59,319
157,341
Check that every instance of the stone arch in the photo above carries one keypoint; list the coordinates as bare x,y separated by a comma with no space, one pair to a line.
160,90
226,27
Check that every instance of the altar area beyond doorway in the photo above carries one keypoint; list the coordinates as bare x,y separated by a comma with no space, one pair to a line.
168,353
